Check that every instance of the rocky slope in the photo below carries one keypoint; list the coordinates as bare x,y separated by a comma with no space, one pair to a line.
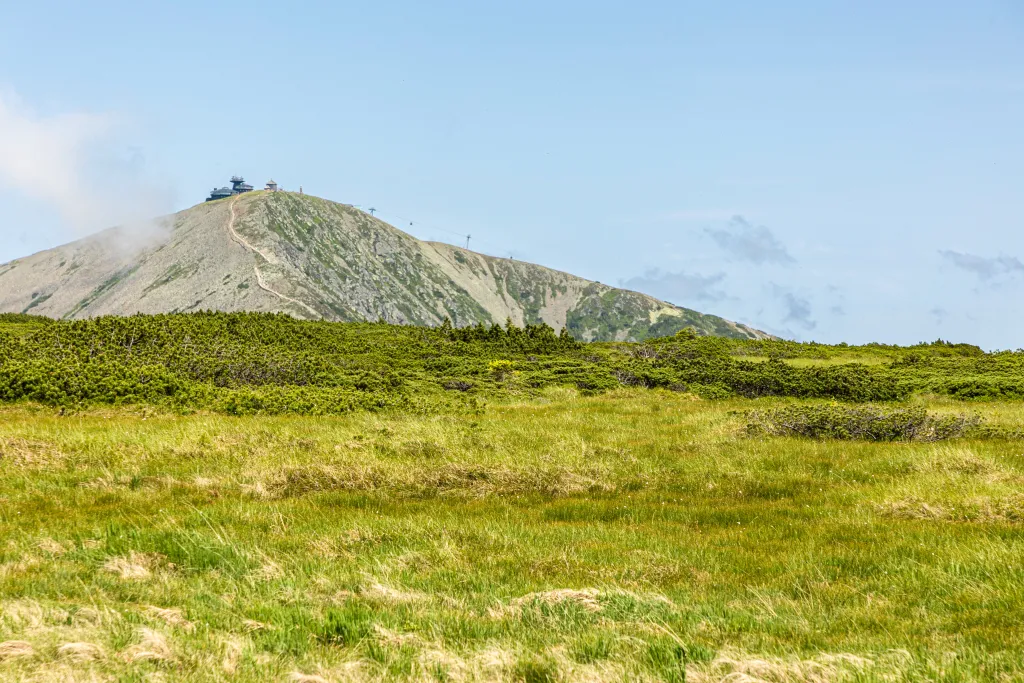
313,258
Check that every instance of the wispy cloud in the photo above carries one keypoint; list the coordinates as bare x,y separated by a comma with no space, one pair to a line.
838,306
76,164
754,243
797,309
985,268
678,287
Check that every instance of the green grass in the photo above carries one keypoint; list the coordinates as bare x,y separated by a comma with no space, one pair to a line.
633,535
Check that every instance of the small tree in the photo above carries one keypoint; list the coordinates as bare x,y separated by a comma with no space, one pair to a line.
500,369
686,334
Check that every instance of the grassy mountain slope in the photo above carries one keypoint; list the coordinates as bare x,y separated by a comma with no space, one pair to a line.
312,258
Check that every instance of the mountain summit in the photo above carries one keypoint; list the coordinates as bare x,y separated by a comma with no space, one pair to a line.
313,258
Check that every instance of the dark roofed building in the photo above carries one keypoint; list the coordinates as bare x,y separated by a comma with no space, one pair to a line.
219,193
238,186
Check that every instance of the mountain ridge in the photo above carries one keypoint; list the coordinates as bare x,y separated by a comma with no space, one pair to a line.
314,258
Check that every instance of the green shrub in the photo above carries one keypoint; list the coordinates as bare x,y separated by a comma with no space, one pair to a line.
23,318
500,369
864,423
260,363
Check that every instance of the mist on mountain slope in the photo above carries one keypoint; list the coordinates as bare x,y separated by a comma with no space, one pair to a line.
82,167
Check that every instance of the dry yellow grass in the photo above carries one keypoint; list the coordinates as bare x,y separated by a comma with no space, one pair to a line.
12,649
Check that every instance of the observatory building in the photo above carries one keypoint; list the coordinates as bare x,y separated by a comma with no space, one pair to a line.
238,186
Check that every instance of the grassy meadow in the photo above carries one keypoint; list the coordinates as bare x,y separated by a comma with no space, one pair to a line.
527,509
636,535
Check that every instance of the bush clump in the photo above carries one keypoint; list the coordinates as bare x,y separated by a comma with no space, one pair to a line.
260,363
861,423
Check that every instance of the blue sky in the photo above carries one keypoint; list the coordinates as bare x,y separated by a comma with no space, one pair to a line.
838,171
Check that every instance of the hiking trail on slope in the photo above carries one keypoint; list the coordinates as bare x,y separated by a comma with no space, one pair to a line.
269,259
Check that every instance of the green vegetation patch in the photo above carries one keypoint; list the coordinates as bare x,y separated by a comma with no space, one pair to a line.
867,423
249,363
604,313
37,299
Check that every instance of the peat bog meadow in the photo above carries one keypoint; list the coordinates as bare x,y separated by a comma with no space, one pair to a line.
250,497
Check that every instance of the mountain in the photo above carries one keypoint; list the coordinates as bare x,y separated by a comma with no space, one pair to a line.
313,258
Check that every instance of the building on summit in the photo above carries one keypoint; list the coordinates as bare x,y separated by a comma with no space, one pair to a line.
219,193
271,186
238,186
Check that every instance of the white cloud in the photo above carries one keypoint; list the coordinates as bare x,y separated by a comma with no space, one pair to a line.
76,164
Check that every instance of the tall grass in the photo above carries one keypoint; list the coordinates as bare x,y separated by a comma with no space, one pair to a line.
635,535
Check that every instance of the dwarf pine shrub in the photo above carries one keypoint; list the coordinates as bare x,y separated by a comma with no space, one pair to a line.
863,423
260,363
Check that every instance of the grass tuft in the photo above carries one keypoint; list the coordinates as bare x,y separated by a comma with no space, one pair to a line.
80,652
12,649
